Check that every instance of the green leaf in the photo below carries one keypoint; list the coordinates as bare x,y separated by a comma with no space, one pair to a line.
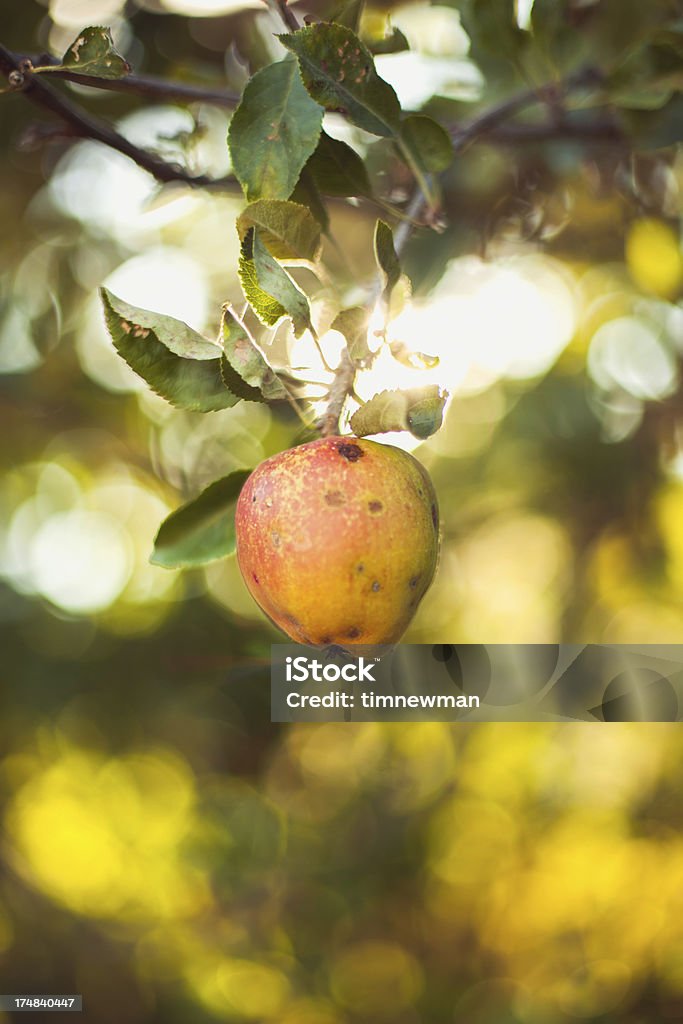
618,29
386,257
92,53
419,410
648,79
492,27
176,362
671,36
337,169
603,34
339,73
657,129
353,324
276,282
288,230
234,382
401,294
427,142
426,416
273,131
348,14
547,19
268,288
307,194
202,530
247,362
413,360
267,309
396,42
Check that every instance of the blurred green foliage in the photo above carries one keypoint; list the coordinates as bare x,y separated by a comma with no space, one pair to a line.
165,849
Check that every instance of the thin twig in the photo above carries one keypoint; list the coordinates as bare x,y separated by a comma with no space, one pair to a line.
149,86
286,13
601,130
340,389
85,125
481,125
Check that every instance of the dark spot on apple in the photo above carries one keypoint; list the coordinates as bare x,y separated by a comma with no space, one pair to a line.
375,586
435,516
335,498
254,577
360,567
253,498
326,640
375,507
275,537
412,583
350,452
298,628
353,633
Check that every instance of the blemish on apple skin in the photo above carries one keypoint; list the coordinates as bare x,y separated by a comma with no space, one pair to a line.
254,577
360,567
275,537
296,625
435,517
353,633
335,498
412,583
350,452
375,586
375,507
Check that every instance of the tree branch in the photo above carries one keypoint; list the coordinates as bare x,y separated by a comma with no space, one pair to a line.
87,126
149,86
461,137
19,69
603,130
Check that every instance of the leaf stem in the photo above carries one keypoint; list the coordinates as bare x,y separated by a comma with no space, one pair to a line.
424,181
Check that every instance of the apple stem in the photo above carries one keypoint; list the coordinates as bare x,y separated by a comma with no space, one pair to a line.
340,389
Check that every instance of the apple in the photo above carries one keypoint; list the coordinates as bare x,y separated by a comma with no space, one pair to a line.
338,539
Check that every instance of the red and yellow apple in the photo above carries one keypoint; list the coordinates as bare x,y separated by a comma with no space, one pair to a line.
338,539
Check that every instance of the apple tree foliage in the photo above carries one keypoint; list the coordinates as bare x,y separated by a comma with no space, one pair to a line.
607,71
